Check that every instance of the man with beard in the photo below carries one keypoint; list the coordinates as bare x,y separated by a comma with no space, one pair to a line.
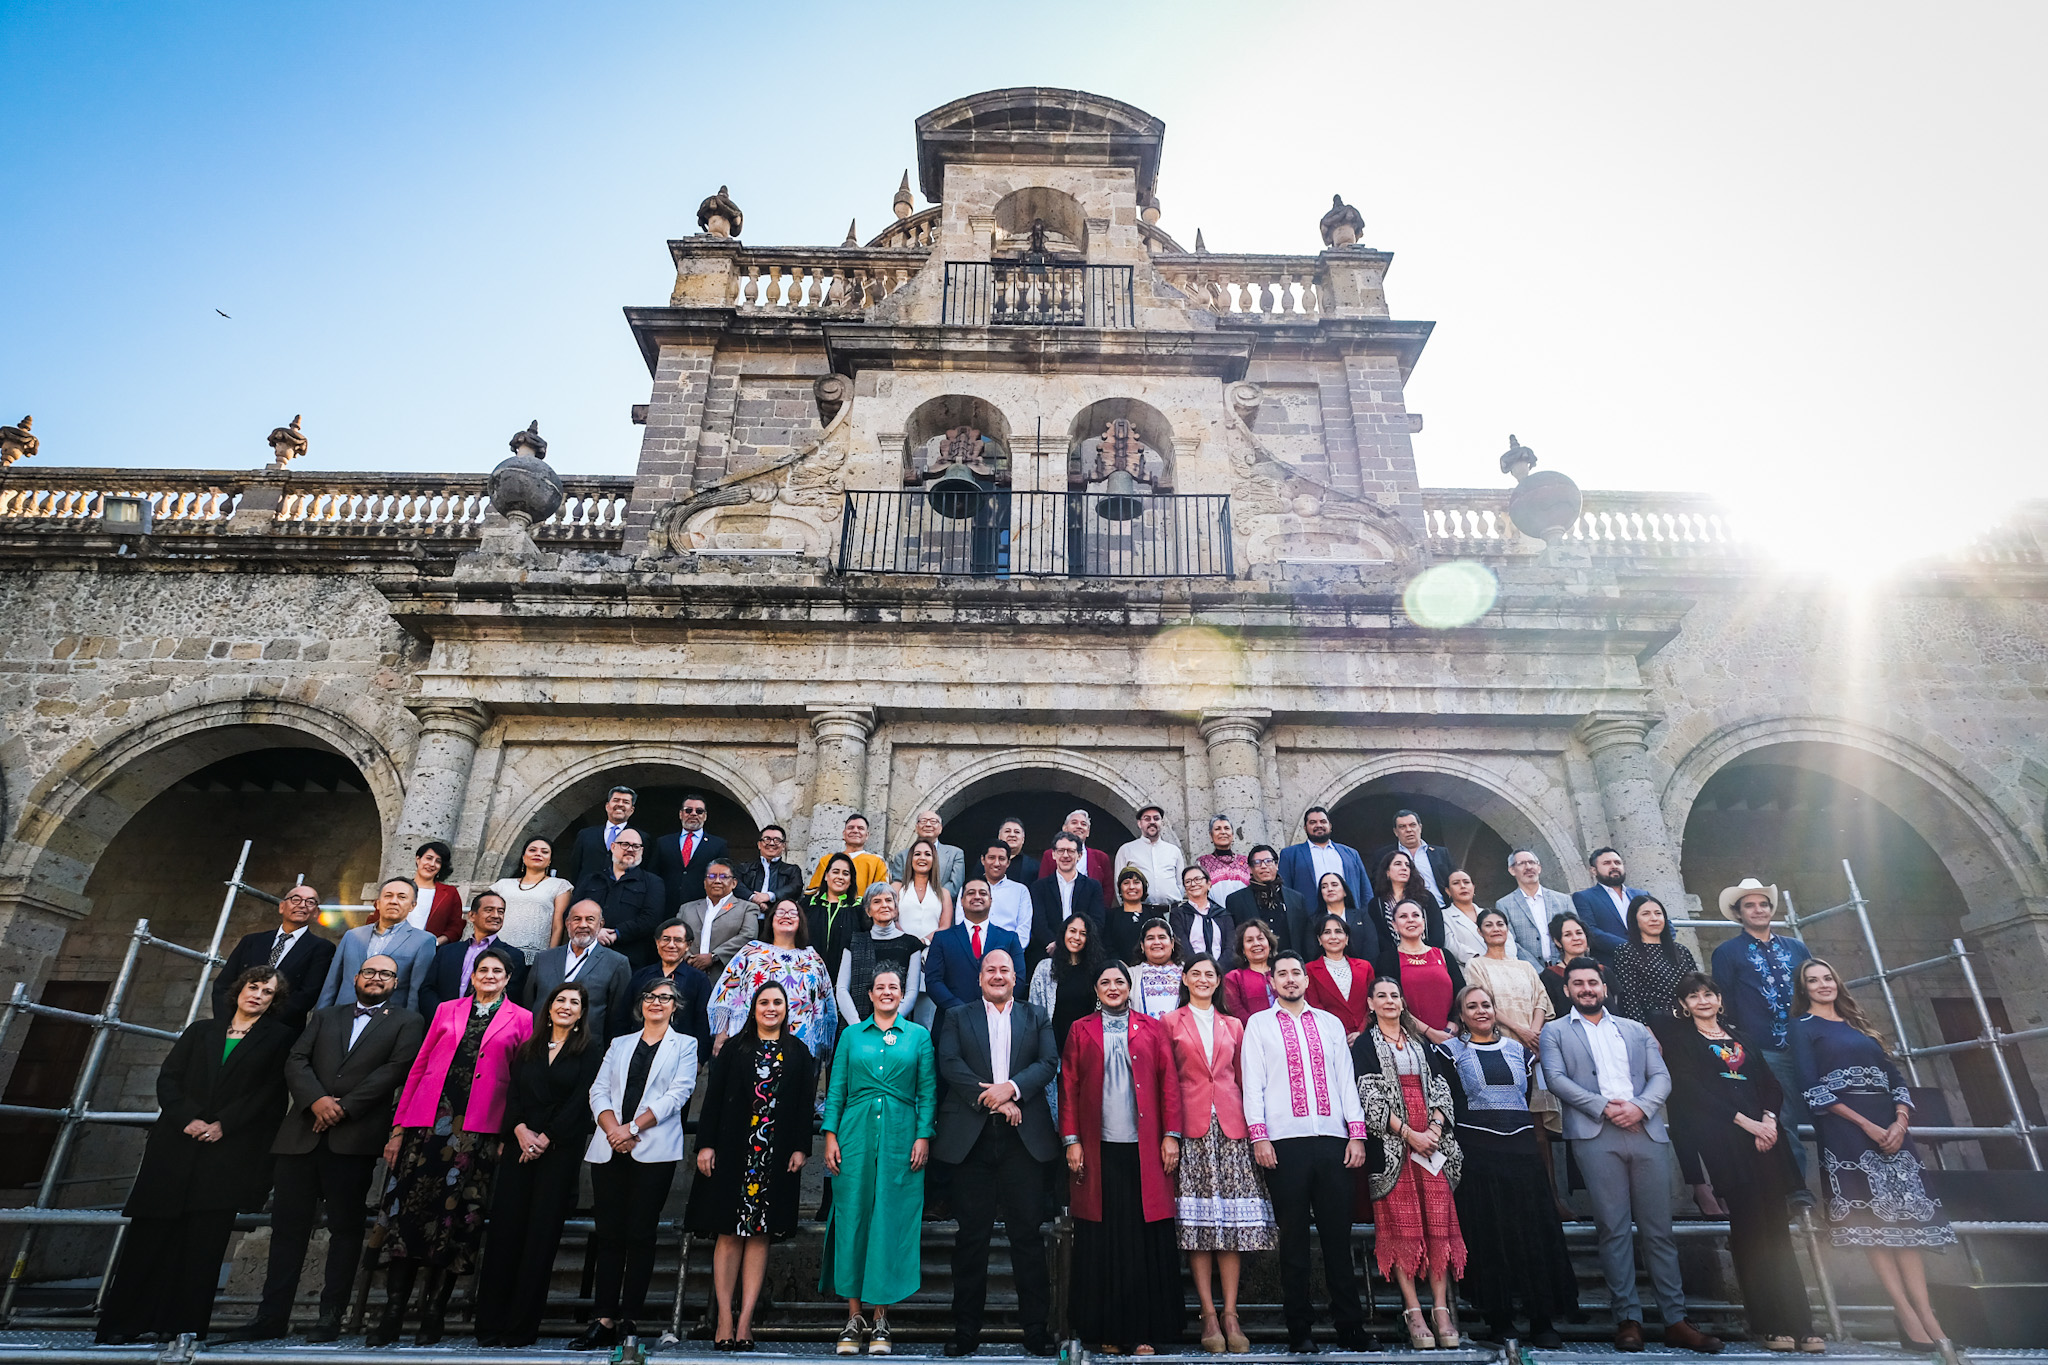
1604,904
633,899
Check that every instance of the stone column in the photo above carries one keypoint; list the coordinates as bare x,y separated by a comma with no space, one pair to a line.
434,793
1235,788
1635,818
839,783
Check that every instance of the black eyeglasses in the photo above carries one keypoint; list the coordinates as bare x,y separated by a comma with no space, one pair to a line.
378,974
661,997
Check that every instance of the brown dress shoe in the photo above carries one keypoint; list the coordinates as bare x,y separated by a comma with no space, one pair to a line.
1683,1334
1628,1335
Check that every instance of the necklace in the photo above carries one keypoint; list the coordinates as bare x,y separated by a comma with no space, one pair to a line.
524,886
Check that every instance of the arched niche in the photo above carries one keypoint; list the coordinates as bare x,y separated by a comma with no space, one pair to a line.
930,420
1041,798
1066,225
1150,423
578,803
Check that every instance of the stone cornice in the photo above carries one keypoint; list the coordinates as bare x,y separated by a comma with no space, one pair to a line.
852,347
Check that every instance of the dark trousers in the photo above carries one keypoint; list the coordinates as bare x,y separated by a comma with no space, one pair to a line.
300,1185
627,1196
1760,1244
1310,1184
532,1201
999,1179
169,1273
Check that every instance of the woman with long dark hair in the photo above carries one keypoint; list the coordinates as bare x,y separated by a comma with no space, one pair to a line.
785,955
547,1122
1649,964
535,900
222,1096
1394,880
1568,932
924,904
1248,987
1861,1106
753,1138
1365,930
1430,978
1156,976
1123,927
830,909
1063,983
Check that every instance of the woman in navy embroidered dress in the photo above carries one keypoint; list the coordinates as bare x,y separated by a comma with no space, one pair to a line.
1860,1106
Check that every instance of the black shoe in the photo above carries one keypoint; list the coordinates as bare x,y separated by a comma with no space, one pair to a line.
596,1337
1040,1345
1354,1339
957,1347
259,1330
1304,1345
743,1344
325,1328
1546,1340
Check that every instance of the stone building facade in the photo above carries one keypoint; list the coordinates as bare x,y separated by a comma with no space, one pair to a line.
772,608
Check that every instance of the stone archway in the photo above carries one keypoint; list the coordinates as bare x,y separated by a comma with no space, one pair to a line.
1039,788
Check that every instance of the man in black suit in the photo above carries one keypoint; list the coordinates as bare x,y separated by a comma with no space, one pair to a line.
996,1133
300,956
453,961
766,879
1275,902
344,1074
1432,862
590,852
633,899
1061,891
1023,866
679,859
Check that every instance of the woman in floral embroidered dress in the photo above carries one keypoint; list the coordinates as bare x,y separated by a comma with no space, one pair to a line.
789,960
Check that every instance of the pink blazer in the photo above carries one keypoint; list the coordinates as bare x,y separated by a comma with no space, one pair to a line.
1207,1085
417,1104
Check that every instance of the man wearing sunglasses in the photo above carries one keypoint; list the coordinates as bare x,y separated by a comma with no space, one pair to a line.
300,955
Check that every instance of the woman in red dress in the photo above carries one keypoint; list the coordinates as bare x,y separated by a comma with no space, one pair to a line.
1429,978
1338,982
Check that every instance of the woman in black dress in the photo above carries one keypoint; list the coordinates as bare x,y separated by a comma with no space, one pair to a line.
1724,1123
1568,932
1123,928
753,1137
547,1123
1648,967
222,1094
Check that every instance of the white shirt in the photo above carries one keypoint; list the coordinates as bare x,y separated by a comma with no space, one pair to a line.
290,941
1205,1024
1010,907
1066,889
1160,862
574,962
1325,859
920,917
356,1027
1418,858
1610,1056
1340,973
998,1040
1200,933
1297,1077
1533,905
1620,899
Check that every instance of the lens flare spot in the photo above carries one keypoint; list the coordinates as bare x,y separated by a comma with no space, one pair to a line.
1189,654
1450,595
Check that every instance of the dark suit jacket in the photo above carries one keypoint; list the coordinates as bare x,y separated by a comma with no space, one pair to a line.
364,1078
633,905
243,1092
952,973
1047,917
1244,905
588,853
1604,924
1440,864
665,860
445,981
1024,868
553,1098
965,1067
786,884
693,1003
304,969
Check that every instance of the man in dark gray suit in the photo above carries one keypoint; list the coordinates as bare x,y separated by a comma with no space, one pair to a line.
1609,1074
995,1130
603,973
343,1073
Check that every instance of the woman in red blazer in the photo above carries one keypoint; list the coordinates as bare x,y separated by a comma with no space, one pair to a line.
1338,982
1119,1103
437,905
1223,1208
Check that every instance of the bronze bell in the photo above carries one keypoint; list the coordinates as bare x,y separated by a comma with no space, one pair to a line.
1120,500
956,492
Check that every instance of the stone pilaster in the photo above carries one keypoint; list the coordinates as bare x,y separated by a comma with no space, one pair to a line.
1635,818
1235,788
840,782
450,731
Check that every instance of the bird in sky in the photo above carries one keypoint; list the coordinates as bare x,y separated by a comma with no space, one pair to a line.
223,315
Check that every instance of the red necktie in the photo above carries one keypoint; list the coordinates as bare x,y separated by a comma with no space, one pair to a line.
976,930
689,846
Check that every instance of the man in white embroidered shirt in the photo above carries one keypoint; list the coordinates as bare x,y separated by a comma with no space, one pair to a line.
1610,1076
1307,1128
1159,859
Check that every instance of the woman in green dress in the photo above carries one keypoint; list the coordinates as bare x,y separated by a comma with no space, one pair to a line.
878,1130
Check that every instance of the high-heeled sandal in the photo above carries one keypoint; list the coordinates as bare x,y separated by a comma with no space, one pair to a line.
1234,1337
1213,1342
1418,1332
1446,1327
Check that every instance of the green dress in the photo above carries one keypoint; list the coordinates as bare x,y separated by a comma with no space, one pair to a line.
882,1099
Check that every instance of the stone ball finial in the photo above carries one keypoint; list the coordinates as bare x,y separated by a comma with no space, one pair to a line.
525,489
1518,459
1342,225
903,203
19,442
719,216
287,443
1148,208
1544,505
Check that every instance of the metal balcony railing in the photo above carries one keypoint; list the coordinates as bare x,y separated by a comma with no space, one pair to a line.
1037,294
1018,535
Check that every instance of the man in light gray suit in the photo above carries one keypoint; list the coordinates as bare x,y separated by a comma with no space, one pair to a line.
1610,1076
1530,907
603,972
951,871
388,934
721,922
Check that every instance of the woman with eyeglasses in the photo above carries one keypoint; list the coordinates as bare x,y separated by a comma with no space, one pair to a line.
788,958
641,1093
693,988
547,1123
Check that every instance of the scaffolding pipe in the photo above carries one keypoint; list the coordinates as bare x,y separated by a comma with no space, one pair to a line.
1811,1234
2012,1094
1883,978
220,929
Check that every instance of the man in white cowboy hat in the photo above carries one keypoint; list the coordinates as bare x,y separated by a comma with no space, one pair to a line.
1755,971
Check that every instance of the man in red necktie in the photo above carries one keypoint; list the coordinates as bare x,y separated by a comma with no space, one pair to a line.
952,966
679,859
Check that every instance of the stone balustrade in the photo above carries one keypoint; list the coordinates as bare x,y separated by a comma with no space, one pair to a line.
184,501
1474,522
916,233
1247,288
819,280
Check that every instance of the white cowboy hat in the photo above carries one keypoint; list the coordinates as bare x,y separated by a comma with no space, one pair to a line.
1730,895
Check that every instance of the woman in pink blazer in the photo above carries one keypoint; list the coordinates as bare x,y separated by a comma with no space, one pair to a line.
444,1147
1222,1206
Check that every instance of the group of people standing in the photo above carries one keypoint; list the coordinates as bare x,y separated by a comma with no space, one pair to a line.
1247,1051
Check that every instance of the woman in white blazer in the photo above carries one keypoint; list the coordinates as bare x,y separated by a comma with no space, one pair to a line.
641,1092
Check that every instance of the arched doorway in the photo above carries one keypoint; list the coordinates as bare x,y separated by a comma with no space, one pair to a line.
660,789
1041,798
1477,826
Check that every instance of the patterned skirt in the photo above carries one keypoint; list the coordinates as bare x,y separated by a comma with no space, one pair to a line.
1415,1226
434,1207
1874,1200
1222,1204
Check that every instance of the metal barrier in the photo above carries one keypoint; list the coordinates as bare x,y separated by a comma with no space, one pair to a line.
1001,534
1037,293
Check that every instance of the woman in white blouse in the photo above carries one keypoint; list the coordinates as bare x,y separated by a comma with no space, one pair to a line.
924,906
1461,918
535,900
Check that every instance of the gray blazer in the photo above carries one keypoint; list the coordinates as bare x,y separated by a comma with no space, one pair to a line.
731,930
412,949
951,871
1532,945
604,978
1569,1072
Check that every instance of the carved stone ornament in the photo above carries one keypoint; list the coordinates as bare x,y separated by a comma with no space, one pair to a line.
525,488
1121,450
1518,459
719,216
529,441
287,443
19,442
833,392
961,445
1245,398
903,203
1545,504
1342,225
1148,208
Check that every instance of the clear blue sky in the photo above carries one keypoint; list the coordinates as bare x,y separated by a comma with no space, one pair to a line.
1787,253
